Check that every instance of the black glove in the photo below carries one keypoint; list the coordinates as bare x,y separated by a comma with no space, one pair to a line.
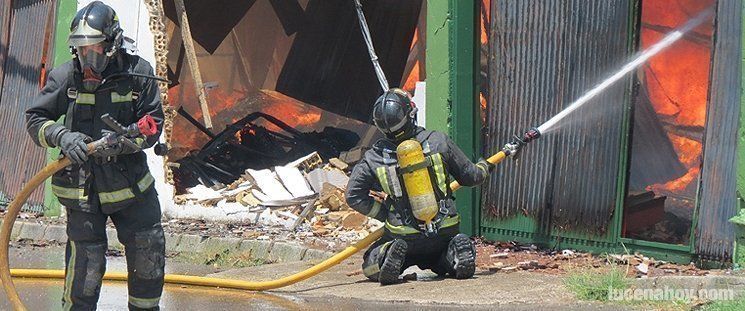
73,146
488,166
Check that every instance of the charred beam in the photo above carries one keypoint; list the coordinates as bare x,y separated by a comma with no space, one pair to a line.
191,56
196,123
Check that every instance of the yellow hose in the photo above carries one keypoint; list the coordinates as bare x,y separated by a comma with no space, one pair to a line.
14,208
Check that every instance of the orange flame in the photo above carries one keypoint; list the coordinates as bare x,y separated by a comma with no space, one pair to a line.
413,78
486,16
301,115
677,80
676,185
410,81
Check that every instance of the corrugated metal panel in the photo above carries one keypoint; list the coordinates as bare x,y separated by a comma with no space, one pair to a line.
21,158
4,33
715,235
544,55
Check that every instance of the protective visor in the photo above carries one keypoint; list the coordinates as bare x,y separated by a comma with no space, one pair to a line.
93,57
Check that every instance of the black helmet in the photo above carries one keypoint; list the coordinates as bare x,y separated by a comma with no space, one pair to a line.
95,25
96,22
395,114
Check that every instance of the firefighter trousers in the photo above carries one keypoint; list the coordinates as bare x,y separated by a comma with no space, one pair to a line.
423,252
139,230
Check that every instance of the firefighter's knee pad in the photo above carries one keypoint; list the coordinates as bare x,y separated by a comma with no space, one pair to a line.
86,262
149,253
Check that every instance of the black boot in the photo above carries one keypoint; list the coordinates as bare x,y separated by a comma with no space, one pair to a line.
390,267
460,257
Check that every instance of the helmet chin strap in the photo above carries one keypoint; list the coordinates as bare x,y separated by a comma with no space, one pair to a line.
403,134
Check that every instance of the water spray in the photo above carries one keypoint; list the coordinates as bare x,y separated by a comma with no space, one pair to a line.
512,148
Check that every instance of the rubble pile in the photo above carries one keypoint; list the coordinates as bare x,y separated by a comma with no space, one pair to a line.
505,257
305,197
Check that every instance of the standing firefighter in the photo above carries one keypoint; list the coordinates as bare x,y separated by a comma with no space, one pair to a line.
103,79
404,181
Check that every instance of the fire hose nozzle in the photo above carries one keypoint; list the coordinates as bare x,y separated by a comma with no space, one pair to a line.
512,148
146,126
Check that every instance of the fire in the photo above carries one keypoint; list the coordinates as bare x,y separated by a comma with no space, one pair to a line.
186,137
483,107
228,108
486,10
683,147
302,115
677,185
484,18
413,78
677,80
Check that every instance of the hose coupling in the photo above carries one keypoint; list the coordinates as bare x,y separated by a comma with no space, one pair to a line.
513,147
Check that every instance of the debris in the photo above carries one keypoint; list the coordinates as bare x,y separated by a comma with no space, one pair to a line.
500,255
303,199
333,198
247,198
339,164
496,267
353,220
180,199
307,211
567,253
260,195
509,269
409,277
308,163
203,193
355,272
294,181
288,215
353,156
319,176
528,265
270,185
643,268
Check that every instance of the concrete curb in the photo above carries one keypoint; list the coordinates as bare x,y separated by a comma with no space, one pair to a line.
266,250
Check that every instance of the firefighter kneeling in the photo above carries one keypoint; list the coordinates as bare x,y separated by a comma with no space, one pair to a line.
404,181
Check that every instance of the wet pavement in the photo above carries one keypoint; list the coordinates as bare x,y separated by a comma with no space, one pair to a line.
46,295
40,294
332,290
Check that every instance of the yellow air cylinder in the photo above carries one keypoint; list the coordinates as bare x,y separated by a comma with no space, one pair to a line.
417,182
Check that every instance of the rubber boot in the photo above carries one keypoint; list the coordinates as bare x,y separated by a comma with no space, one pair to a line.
390,267
460,257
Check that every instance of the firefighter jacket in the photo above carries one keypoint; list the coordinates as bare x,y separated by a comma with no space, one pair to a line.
120,181
376,171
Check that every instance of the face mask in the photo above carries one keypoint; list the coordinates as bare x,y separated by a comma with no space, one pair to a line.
93,61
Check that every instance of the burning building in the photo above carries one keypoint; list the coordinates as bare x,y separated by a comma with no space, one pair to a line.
650,163
281,79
